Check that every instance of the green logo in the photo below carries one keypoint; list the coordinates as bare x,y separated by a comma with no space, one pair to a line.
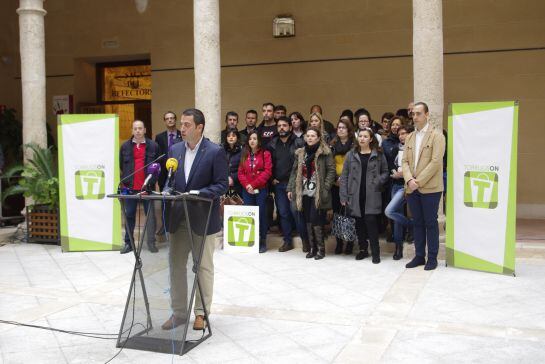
241,231
90,185
481,189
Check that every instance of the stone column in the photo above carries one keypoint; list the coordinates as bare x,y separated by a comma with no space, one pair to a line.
206,38
32,49
428,57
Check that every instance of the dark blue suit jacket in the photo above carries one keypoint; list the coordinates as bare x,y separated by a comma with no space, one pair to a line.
208,175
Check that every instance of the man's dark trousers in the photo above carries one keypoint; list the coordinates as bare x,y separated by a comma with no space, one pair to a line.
284,211
130,215
424,211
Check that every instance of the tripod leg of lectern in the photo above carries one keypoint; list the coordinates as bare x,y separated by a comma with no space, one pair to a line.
132,287
204,307
146,302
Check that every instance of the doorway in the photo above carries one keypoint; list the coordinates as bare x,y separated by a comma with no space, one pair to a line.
124,88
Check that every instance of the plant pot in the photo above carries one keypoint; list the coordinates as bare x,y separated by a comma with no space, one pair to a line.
42,224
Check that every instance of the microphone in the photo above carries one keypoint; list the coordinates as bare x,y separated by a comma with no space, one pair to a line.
153,170
172,166
138,170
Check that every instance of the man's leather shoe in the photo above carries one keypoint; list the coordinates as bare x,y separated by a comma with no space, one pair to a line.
285,247
173,322
199,323
417,261
431,264
152,248
126,249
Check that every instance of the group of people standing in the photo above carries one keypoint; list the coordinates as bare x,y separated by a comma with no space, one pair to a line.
361,168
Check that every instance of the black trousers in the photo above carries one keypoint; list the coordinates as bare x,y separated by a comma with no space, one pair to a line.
367,229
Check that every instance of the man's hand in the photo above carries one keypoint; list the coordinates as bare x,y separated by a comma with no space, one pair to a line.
412,185
338,182
275,182
289,196
250,189
231,181
343,203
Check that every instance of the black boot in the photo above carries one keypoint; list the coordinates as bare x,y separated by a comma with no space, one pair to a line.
364,252
398,254
349,248
375,252
306,246
339,247
320,242
152,248
313,247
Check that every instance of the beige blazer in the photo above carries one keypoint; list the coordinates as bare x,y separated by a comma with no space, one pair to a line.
429,171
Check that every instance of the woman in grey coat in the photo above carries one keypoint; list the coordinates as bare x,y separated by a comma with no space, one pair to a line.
364,174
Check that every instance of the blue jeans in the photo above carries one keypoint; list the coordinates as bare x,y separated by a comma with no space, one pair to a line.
283,210
394,211
300,223
260,200
130,207
424,209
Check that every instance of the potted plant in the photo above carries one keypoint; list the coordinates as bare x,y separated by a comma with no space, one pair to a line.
40,184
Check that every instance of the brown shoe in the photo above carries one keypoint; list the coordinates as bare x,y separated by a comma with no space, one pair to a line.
199,323
173,322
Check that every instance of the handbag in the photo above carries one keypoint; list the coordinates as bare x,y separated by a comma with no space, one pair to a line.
344,227
230,198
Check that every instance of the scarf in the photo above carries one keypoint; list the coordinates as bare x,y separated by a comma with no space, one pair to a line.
340,148
310,152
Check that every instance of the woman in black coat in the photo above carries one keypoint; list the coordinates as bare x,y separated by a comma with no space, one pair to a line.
233,150
364,174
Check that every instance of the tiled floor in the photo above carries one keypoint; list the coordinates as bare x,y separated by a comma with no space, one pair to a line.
281,308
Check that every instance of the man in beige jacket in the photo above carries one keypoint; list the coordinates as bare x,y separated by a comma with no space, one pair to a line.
423,174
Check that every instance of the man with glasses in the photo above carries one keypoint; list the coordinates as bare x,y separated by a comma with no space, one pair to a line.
423,174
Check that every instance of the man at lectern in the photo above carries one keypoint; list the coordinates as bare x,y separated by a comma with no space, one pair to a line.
202,167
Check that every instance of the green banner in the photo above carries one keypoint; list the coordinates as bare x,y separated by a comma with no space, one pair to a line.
88,171
482,185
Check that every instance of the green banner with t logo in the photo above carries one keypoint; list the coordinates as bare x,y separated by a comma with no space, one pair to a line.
482,186
88,171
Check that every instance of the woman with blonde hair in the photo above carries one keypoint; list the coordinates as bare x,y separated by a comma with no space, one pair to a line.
317,121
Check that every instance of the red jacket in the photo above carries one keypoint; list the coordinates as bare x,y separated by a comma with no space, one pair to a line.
259,175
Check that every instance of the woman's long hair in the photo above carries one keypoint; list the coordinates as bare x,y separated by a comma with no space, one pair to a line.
319,116
301,118
246,150
373,144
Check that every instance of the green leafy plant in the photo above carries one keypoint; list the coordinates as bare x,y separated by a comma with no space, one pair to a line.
38,180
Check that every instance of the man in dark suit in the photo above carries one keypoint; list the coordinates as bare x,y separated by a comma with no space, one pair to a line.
202,169
165,140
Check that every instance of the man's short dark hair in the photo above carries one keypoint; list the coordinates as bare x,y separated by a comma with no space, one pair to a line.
404,113
169,112
230,113
426,109
268,104
284,118
198,116
251,111
280,107
360,112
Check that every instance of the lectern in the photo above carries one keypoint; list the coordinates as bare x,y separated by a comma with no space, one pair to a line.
149,303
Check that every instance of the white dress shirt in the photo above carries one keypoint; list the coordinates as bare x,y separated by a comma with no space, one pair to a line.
190,155
419,134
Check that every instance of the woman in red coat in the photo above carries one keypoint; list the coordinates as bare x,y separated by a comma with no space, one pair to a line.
254,172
